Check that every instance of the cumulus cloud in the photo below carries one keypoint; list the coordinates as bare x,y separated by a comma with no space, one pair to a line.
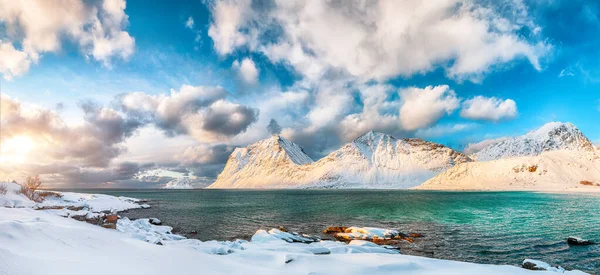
96,27
473,148
93,143
423,107
246,70
379,39
489,108
207,154
201,112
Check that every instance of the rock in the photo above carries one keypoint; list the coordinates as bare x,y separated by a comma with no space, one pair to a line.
335,229
415,235
111,219
109,225
578,241
539,265
194,233
75,208
155,221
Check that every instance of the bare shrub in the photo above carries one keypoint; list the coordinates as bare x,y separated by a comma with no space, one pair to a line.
3,189
31,185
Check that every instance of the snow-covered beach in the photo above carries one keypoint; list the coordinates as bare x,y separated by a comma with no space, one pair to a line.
41,233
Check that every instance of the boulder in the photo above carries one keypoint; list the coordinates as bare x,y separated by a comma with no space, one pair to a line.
539,265
578,241
155,221
109,225
111,219
335,229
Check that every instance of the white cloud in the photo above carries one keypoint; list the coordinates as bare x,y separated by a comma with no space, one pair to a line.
201,112
38,26
228,17
12,62
246,70
379,39
489,108
473,148
189,23
566,72
423,107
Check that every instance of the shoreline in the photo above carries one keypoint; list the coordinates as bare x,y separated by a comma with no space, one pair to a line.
273,255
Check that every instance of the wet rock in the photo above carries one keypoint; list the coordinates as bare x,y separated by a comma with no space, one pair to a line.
335,229
539,265
193,232
75,208
111,219
109,225
578,241
155,221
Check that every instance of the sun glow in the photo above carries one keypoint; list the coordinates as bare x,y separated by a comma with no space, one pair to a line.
16,149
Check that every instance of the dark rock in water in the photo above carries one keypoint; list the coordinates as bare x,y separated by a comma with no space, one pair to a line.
578,241
283,229
194,233
155,221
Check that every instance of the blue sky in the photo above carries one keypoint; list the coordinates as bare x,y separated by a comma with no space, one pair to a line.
311,67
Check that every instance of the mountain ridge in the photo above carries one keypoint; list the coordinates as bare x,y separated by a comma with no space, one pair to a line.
373,160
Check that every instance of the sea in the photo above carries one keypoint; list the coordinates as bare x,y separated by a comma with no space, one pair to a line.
480,227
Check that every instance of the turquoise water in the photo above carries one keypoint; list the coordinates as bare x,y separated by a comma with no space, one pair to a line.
483,227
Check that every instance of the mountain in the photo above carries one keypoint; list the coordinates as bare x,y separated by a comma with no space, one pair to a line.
557,171
556,157
551,136
180,183
374,160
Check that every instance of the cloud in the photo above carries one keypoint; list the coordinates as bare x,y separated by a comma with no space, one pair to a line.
189,23
423,107
12,61
380,39
273,127
96,27
246,70
93,143
201,112
473,148
566,72
489,108
206,154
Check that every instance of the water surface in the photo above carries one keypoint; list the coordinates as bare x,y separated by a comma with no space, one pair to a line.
483,227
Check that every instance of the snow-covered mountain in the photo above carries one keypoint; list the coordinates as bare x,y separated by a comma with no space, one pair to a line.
551,136
556,171
180,183
374,160
555,157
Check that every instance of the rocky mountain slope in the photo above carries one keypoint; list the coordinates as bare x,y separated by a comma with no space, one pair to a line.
374,160
551,136
180,183
556,157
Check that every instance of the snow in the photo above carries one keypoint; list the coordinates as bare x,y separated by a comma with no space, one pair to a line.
42,242
374,160
179,183
367,233
539,265
551,136
91,202
552,171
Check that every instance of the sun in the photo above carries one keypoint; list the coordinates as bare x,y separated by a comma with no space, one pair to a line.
16,149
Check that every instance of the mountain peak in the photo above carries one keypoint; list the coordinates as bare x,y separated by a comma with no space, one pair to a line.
551,136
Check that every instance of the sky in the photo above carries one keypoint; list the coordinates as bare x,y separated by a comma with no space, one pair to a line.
131,94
